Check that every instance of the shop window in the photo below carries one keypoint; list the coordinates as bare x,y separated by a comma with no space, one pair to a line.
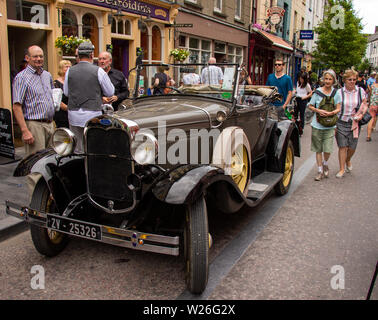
156,44
69,23
120,27
127,27
144,42
220,52
200,50
90,30
27,11
114,26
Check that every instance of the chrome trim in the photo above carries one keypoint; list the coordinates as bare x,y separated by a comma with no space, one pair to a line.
112,211
132,239
131,128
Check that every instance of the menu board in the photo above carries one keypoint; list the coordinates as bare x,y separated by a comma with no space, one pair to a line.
6,135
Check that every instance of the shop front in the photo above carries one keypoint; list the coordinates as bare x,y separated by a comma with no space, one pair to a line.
206,37
116,26
263,48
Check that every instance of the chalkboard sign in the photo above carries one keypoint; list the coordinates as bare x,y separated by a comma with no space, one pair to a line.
6,135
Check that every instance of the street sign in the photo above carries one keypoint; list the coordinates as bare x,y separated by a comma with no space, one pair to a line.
306,34
182,25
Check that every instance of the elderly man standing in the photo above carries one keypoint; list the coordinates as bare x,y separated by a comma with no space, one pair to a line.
121,88
33,106
84,85
211,74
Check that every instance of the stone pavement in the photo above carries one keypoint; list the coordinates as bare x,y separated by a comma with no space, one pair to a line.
13,189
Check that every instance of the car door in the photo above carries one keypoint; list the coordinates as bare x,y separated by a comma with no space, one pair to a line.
251,115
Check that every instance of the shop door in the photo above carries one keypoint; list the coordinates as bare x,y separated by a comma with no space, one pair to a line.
121,55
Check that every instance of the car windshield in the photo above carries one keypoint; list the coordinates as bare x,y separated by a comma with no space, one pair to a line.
210,80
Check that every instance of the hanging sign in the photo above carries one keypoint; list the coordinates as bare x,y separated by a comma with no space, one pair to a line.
275,15
306,34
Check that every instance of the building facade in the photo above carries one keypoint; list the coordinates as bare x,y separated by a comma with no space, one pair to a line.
219,28
372,50
118,26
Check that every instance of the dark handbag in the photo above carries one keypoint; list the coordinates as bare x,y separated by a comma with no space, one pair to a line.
365,119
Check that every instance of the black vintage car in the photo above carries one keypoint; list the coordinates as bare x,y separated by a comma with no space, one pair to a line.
150,169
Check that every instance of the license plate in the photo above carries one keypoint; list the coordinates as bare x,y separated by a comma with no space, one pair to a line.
74,227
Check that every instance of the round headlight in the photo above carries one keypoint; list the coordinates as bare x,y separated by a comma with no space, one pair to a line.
144,148
63,141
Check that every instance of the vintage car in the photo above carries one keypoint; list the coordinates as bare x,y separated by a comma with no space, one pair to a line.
150,169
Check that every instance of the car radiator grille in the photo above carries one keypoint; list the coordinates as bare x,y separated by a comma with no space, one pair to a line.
108,166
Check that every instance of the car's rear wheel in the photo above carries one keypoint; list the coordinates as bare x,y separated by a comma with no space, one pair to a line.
288,168
196,246
47,242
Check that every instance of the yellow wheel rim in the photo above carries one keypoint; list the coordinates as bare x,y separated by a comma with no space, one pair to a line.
288,167
239,167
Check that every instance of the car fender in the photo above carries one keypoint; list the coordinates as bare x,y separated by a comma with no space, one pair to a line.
47,163
280,136
186,183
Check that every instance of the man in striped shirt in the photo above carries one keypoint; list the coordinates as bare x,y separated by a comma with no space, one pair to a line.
33,106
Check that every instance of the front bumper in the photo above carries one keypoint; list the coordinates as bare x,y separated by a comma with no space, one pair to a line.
132,239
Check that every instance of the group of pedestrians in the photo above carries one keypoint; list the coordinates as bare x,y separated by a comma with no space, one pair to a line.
337,112
349,107
86,87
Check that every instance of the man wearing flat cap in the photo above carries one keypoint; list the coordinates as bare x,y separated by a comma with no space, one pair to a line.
85,85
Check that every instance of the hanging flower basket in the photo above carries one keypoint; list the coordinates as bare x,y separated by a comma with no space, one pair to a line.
68,45
179,54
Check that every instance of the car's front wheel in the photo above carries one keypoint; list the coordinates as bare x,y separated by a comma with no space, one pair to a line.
196,242
288,168
47,242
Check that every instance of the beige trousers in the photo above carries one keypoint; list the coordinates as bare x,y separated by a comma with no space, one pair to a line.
42,133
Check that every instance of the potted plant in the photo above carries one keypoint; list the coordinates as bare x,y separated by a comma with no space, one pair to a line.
179,54
68,45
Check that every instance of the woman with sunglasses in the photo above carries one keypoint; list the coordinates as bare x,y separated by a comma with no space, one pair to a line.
353,107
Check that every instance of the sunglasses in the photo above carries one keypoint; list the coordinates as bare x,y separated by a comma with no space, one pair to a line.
351,79
278,64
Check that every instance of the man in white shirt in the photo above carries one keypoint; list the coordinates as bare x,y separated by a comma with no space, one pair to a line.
212,75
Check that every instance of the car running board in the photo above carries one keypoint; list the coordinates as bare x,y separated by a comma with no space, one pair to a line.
261,185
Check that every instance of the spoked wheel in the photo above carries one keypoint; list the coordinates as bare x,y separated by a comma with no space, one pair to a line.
240,167
196,246
283,186
47,242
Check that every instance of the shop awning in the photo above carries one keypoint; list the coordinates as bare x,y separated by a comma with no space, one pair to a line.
276,41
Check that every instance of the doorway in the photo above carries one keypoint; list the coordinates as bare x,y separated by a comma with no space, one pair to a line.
121,56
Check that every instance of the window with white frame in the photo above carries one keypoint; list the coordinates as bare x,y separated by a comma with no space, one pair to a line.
235,54
238,6
218,5
199,49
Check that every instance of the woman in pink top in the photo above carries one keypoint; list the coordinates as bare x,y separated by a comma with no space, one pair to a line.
347,128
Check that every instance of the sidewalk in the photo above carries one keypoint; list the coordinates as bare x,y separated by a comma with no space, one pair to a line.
13,189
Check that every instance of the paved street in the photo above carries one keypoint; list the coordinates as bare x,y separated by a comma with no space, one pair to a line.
296,240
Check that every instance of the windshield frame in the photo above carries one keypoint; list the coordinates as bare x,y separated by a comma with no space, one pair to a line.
139,68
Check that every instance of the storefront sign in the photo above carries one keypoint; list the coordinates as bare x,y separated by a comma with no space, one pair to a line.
132,6
6,137
306,34
182,25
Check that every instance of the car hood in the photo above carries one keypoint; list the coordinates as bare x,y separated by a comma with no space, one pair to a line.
176,112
